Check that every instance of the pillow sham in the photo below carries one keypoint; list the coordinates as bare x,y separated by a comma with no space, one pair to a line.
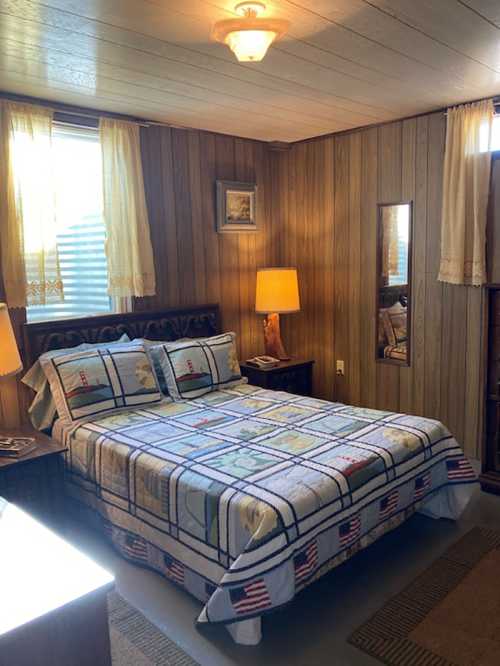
395,323
100,380
399,351
35,377
42,411
153,350
381,338
195,367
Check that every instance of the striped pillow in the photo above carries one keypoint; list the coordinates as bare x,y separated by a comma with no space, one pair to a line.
99,380
42,411
195,367
395,323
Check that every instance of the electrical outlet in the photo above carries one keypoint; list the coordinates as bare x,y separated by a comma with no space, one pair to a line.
340,368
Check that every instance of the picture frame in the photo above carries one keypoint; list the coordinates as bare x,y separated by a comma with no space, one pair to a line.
236,206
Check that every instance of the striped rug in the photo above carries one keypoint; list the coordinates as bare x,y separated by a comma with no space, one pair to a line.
135,641
450,614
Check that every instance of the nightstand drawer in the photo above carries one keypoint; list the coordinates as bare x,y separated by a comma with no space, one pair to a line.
35,481
290,381
293,376
36,486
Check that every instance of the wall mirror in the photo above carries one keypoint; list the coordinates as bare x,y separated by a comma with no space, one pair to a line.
394,282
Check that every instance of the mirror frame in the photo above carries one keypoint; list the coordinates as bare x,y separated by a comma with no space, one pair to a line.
380,207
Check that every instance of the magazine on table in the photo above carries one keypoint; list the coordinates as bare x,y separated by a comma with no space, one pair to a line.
16,447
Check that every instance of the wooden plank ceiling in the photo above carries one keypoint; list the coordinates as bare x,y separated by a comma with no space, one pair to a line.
344,64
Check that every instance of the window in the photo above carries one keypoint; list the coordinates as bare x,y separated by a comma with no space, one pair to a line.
395,238
400,275
80,225
495,139
495,135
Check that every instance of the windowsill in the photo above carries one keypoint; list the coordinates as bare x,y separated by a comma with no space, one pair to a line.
70,317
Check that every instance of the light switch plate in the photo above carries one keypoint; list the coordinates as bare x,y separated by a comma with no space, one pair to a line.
340,368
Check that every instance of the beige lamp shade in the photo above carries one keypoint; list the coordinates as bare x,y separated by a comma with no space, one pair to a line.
277,291
10,361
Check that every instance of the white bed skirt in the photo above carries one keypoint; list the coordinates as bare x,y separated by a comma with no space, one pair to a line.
246,632
449,502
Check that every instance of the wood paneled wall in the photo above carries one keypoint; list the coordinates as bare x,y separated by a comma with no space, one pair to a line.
326,213
194,264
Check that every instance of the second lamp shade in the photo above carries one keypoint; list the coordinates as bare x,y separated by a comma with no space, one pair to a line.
10,361
277,291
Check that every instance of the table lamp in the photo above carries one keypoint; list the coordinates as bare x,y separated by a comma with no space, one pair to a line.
277,293
10,364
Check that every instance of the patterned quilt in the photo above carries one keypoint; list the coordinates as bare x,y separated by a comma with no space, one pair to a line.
243,496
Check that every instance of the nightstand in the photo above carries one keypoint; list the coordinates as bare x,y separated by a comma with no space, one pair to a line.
293,376
34,481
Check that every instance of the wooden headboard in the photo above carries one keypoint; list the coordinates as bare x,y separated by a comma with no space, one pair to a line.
171,324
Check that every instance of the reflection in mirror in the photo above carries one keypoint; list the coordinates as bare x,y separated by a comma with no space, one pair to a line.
394,282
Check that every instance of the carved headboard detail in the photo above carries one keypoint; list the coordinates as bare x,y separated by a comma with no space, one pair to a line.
171,324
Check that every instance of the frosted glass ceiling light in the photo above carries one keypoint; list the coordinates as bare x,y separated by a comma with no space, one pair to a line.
249,37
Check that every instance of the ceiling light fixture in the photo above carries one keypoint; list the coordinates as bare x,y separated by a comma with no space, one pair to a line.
249,37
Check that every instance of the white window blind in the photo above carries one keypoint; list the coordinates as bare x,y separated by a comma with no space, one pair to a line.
403,223
490,143
81,232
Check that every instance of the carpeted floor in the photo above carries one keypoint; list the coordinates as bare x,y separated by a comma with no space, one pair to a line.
137,642
450,614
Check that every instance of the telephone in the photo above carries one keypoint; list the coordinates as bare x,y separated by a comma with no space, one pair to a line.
263,362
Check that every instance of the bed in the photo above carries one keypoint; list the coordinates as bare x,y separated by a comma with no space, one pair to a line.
245,496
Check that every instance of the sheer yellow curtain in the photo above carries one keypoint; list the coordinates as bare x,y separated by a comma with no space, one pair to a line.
466,182
128,244
30,264
390,247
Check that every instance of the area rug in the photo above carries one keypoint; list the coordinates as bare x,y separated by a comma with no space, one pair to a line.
135,641
450,614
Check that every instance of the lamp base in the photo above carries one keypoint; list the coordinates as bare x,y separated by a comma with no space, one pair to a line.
9,406
272,338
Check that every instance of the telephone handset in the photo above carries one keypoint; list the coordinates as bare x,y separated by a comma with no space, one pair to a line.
263,362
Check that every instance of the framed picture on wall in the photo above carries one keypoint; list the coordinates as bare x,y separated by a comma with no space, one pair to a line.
236,206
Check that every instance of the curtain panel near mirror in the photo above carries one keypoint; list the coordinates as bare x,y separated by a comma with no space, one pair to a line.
466,180
30,262
390,246
128,245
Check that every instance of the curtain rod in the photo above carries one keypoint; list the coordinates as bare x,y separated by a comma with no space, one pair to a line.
62,110
93,116
496,104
